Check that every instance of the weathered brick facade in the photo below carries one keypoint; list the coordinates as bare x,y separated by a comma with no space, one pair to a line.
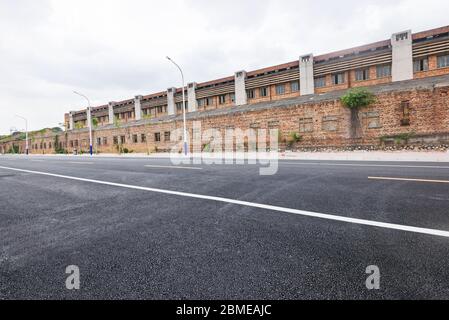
416,107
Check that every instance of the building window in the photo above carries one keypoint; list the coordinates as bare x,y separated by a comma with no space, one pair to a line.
280,89
157,137
105,141
421,65
330,123
405,107
179,106
273,124
135,138
264,92
362,74
98,141
122,139
250,94
338,78
143,137
222,99
320,82
372,120
305,124
204,102
383,71
294,86
76,143
115,140
443,61
167,136
70,144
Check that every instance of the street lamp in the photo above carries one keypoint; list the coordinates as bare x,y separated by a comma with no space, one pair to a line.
183,105
26,133
89,120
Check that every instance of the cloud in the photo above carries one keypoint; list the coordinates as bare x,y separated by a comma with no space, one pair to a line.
115,49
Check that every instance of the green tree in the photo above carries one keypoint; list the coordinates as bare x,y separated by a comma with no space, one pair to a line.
355,99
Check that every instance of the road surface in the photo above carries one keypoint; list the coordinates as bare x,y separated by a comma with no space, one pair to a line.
146,229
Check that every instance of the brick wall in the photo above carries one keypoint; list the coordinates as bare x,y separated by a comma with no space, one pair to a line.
421,110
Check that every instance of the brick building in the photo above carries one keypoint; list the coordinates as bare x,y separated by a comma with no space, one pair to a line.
409,74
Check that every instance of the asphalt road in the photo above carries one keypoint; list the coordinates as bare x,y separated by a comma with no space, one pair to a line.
148,243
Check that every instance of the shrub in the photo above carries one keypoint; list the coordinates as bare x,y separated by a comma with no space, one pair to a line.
293,138
358,98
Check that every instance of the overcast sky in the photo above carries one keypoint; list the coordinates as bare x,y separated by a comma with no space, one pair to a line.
115,49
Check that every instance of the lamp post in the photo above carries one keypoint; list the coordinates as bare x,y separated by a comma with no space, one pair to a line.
26,134
183,105
89,120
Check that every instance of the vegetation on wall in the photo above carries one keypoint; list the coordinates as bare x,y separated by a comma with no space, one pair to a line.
293,138
355,99
58,148
94,122
402,138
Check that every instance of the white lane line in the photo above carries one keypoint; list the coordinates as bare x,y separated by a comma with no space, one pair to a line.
79,162
363,165
385,225
173,167
408,179
37,160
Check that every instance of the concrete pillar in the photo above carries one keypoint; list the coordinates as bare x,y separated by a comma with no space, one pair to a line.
402,67
88,117
171,101
191,97
138,107
111,112
240,88
306,80
71,122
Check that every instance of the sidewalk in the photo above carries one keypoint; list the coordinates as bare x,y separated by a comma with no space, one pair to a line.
336,156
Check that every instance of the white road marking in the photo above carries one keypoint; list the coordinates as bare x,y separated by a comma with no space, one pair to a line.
385,225
363,165
37,160
408,179
173,167
80,162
